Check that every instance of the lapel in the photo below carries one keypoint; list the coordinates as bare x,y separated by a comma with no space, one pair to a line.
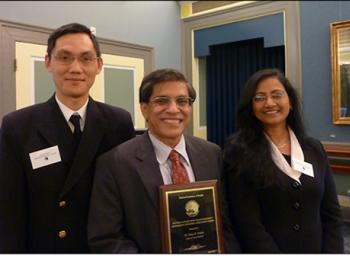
94,130
199,160
148,168
54,129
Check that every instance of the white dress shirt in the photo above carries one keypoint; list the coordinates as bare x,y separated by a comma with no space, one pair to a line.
162,152
67,112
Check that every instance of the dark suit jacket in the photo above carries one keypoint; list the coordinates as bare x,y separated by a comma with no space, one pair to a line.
124,213
30,213
289,217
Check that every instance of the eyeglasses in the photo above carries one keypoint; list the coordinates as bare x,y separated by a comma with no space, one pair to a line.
68,59
275,96
181,101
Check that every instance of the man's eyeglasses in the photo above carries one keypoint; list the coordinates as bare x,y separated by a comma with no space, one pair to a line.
181,101
275,96
68,59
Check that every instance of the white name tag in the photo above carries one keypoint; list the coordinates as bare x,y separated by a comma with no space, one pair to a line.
303,167
45,157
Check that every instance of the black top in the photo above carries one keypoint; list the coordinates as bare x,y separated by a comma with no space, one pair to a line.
289,217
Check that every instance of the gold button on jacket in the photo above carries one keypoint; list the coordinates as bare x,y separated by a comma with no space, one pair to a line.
62,234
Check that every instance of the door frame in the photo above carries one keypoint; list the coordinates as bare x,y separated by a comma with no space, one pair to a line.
255,9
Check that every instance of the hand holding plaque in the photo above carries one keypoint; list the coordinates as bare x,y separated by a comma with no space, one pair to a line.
190,218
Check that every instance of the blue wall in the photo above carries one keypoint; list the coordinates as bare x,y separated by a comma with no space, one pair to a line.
157,24
154,24
316,67
268,27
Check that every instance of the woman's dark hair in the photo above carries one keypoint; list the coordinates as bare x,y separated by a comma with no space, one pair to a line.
160,76
72,28
255,157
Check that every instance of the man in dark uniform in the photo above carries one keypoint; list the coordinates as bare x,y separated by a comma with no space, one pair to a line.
48,152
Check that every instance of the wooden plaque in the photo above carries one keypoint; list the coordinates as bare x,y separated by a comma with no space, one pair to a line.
191,218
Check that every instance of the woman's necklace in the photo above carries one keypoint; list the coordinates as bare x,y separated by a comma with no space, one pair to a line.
282,146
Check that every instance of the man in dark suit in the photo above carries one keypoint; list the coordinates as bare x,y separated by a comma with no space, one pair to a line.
124,215
47,159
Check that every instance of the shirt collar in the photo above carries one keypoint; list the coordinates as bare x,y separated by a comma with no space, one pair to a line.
67,112
162,150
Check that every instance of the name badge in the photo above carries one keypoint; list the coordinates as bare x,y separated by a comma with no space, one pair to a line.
303,167
45,157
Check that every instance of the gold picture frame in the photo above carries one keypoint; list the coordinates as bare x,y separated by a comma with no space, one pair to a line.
340,58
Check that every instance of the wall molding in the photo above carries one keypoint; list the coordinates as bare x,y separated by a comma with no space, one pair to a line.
339,156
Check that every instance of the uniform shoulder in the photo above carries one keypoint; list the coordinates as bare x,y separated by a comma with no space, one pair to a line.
110,109
27,113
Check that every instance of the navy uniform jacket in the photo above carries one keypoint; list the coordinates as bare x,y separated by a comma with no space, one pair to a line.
125,213
45,210
289,217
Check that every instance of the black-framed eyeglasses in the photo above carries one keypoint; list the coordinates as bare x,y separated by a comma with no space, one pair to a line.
68,59
181,101
275,96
